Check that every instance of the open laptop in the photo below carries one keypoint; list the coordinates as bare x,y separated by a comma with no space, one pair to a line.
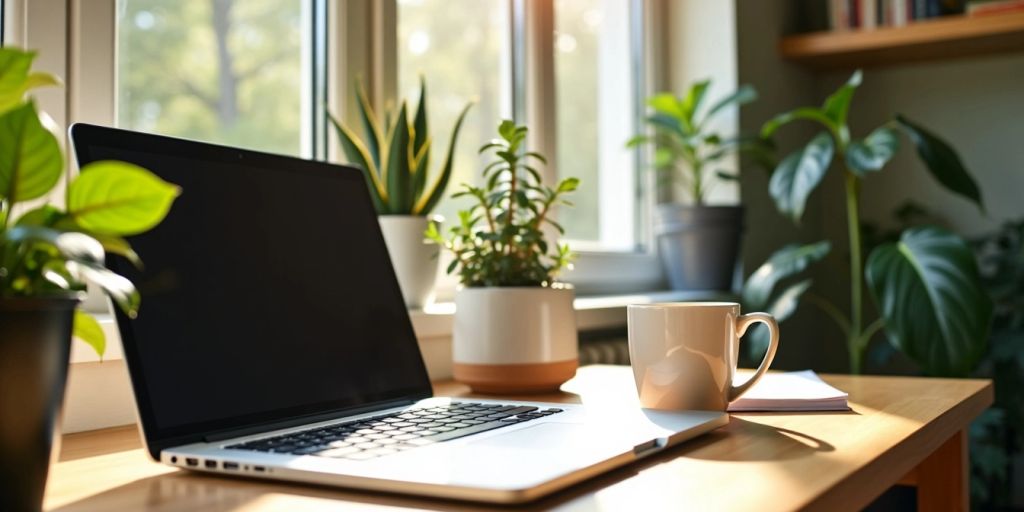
273,342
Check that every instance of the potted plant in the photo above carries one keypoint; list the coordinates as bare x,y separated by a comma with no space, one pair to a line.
46,256
395,164
515,326
930,299
698,243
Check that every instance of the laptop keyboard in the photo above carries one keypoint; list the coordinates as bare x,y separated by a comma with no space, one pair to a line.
367,438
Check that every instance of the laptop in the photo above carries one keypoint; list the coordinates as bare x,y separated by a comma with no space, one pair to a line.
273,342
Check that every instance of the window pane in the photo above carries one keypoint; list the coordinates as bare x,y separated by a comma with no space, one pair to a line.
225,71
595,103
462,49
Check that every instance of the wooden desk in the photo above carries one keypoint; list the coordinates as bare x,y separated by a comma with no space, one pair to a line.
908,430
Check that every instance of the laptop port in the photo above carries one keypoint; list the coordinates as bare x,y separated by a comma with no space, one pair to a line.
259,469
231,465
192,462
211,464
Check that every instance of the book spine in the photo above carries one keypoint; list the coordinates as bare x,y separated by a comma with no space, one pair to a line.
899,13
920,8
869,13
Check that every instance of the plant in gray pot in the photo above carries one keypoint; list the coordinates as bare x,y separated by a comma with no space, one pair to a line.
698,243
46,256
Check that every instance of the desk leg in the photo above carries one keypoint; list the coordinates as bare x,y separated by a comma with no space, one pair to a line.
942,478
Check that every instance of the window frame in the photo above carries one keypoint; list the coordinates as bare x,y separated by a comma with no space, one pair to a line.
361,40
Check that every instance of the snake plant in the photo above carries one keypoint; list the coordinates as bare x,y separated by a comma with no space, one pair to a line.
395,157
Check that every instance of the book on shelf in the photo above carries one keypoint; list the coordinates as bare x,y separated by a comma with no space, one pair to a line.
994,7
869,14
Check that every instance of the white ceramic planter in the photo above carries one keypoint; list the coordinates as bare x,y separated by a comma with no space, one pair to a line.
414,258
514,340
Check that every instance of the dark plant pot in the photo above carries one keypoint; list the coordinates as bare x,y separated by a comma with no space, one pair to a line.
699,245
35,345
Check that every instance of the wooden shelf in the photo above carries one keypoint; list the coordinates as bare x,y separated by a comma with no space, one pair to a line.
936,39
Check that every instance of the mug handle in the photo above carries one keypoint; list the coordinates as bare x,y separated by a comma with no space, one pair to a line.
742,323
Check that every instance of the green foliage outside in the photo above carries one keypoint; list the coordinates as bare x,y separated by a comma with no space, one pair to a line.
47,251
224,71
500,241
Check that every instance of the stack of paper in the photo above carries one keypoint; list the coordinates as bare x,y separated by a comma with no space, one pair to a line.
794,391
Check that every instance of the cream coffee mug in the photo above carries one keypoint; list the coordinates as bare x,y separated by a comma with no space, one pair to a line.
684,354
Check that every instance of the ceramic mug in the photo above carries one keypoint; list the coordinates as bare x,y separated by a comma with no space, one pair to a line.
684,354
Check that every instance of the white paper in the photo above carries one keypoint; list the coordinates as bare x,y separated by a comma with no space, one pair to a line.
793,391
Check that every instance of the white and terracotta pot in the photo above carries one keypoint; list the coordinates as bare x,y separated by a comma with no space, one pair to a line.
514,340
415,259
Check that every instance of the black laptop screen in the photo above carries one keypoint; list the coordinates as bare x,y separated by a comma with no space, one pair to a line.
267,293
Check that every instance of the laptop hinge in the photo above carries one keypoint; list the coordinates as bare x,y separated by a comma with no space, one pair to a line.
304,420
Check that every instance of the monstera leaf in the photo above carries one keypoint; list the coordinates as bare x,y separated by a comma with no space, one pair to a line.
929,293
942,161
799,174
757,291
785,262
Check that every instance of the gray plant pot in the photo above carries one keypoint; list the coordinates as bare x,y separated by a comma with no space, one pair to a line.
699,245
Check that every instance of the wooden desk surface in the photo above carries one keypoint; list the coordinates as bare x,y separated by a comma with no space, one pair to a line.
762,461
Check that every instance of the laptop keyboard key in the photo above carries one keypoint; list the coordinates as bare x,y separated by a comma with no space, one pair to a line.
310,450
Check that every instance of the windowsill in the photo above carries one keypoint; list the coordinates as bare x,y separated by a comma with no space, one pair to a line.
436,321
592,312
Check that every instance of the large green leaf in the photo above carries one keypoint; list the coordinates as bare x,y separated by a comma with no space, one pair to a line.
692,101
781,307
928,290
120,289
30,157
803,113
357,154
397,172
14,72
799,173
745,94
942,160
785,262
837,105
118,198
87,329
872,153
371,129
419,122
667,103
429,199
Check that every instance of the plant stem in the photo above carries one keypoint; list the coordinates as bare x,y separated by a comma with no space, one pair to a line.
853,341
511,200
698,186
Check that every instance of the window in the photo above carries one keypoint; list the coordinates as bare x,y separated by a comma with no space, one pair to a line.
461,48
595,100
255,73
223,71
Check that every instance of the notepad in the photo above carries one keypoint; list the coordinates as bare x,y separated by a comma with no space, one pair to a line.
792,391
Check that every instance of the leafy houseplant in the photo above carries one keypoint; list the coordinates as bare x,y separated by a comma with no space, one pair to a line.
395,160
46,256
515,327
925,285
699,244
